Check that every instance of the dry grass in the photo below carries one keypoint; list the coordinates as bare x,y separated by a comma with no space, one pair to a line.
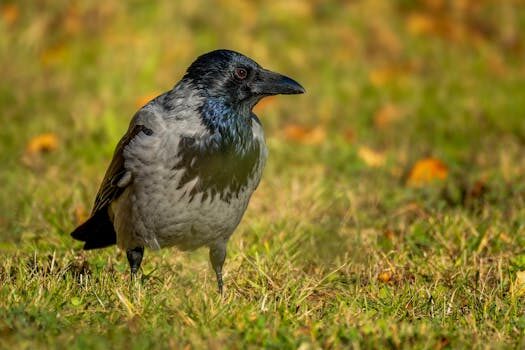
336,250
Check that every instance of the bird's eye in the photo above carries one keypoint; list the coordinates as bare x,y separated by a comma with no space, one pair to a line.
241,73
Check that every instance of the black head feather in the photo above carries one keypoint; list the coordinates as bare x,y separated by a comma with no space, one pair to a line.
217,63
236,79
215,74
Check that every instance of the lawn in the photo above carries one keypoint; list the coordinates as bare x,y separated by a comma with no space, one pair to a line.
391,213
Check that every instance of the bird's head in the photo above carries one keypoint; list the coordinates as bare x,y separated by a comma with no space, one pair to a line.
237,80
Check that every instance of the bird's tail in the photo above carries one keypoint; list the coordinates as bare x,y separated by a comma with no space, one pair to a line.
97,231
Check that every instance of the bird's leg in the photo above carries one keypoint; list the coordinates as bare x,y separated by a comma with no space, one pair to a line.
134,259
217,257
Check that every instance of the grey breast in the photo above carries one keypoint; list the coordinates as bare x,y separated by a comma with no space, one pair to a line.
176,198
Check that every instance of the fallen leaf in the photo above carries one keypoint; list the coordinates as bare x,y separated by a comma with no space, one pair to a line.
385,276
384,40
478,189
434,5
420,23
505,237
143,100
387,115
389,234
446,24
496,64
308,136
42,143
349,135
54,55
383,76
9,13
295,132
72,21
370,157
426,171
296,7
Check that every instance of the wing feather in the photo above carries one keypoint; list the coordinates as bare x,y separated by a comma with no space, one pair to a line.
112,186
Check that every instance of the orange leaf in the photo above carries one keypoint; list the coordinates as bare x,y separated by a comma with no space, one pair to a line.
385,276
308,136
386,115
435,5
72,21
427,170
370,157
42,143
9,13
143,100
389,234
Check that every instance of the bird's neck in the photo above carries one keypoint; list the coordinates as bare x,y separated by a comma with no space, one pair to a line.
231,125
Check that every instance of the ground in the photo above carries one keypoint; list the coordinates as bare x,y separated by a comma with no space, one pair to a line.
391,213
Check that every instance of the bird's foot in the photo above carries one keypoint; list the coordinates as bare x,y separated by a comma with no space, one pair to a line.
134,259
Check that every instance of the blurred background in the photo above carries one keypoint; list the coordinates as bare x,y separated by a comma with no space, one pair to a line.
411,105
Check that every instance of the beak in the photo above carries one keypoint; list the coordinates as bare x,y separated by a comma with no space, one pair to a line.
271,83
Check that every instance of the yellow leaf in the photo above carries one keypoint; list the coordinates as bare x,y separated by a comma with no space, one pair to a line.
54,55
383,76
308,136
297,8
427,170
42,143
503,236
370,157
419,23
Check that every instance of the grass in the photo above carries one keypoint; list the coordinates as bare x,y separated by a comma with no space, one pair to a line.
333,252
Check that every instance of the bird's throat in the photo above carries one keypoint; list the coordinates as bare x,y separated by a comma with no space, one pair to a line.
231,125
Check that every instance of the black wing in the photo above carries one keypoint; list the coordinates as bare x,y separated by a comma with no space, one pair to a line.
98,230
